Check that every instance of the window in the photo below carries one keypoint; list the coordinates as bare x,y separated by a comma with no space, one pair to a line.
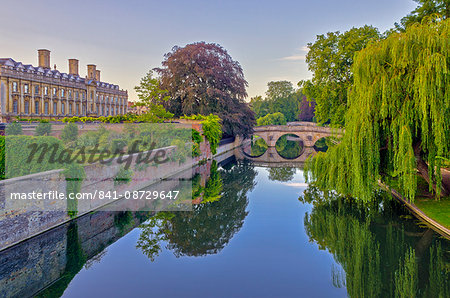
76,95
55,108
70,94
46,108
63,92
77,109
36,107
36,89
45,90
27,107
62,108
70,109
15,107
26,88
84,109
92,95
54,91
14,86
84,96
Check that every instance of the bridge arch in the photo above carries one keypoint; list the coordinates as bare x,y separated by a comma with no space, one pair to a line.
290,146
308,132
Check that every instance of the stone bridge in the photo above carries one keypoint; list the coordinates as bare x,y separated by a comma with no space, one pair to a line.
308,132
273,159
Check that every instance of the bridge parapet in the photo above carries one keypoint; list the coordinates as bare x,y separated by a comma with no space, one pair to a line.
308,132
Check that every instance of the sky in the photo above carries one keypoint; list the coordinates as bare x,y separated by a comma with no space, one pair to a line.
127,38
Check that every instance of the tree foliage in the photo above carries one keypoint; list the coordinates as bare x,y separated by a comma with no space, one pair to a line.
202,78
425,9
330,59
272,119
398,117
281,97
307,109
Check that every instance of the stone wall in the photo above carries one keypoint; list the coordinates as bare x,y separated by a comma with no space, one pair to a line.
34,218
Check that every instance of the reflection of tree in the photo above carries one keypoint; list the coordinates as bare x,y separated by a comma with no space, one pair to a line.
258,146
281,174
375,247
75,261
152,234
288,149
211,225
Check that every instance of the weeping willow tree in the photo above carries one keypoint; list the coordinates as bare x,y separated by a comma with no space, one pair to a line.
398,118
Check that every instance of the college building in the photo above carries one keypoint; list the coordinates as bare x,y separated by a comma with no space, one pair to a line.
41,92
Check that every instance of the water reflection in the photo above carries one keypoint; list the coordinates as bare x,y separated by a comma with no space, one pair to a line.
289,146
212,223
381,251
283,174
256,147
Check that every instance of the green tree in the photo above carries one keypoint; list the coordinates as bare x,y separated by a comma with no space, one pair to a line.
330,59
279,89
398,117
152,97
281,97
259,106
272,119
424,9
149,91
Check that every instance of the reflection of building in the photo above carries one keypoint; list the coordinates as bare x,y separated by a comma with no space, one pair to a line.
40,92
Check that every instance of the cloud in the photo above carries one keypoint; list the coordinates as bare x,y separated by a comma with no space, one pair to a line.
304,49
294,58
296,184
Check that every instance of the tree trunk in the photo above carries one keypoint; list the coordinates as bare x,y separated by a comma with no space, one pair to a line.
422,167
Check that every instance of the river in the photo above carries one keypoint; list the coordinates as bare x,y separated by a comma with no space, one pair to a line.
268,235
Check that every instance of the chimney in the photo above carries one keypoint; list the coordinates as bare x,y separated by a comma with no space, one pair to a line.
91,71
44,58
73,67
97,75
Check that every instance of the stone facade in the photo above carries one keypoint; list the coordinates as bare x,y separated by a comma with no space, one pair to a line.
41,92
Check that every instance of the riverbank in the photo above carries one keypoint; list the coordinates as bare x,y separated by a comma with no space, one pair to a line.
434,214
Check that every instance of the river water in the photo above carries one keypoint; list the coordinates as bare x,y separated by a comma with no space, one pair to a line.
269,234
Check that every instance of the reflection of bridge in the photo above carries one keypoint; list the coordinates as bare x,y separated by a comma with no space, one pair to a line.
273,159
308,132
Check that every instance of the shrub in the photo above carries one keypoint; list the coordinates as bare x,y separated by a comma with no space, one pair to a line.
43,129
117,145
69,132
18,151
212,129
14,128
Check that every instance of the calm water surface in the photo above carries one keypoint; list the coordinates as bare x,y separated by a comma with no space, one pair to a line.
269,235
